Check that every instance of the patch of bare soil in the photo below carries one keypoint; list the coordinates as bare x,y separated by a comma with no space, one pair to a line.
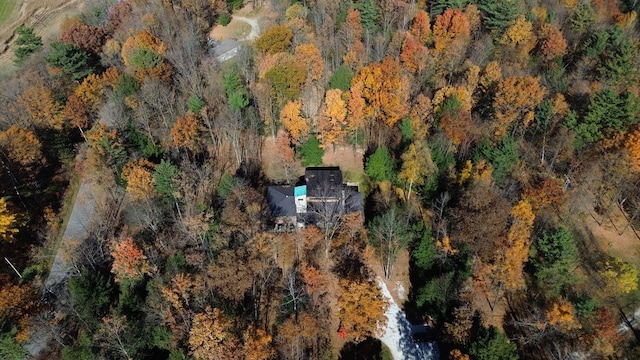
350,161
44,16
236,29
399,284
614,236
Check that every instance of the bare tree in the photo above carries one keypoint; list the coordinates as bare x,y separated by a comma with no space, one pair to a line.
389,235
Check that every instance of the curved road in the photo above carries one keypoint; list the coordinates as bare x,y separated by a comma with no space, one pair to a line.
397,335
255,28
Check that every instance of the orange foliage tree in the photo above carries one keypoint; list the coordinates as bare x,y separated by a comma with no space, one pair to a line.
552,44
515,99
90,91
414,54
385,91
22,146
211,338
511,256
421,27
129,262
41,105
361,308
185,132
308,55
518,41
139,177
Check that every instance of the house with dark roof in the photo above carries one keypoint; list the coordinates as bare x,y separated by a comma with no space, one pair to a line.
316,199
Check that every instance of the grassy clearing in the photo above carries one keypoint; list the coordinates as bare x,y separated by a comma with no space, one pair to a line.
6,9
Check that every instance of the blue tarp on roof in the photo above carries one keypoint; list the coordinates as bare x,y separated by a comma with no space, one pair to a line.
300,191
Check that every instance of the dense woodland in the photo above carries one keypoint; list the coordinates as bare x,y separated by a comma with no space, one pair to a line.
494,132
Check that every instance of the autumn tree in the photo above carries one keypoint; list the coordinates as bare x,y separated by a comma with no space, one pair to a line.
274,40
8,222
185,132
139,177
451,34
632,145
257,344
76,112
515,100
87,37
294,123
90,92
144,53
518,41
553,43
384,92
41,105
620,277
562,315
416,165
421,27
414,54
512,255
309,56
22,146
129,262
361,308
332,123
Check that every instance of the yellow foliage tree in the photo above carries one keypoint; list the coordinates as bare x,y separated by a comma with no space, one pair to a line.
416,165
562,315
620,276
293,121
8,222
332,120
90,91
361,308
510,258
384,90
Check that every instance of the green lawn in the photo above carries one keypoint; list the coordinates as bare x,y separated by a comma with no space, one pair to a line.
6,8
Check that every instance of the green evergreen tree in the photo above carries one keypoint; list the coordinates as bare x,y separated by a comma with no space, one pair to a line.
341,79
502,157
71,59
555,257
497,15
164,177
437,7
492,344
310,152
237,93
608,112
369,14
27,43
10,349
380,166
